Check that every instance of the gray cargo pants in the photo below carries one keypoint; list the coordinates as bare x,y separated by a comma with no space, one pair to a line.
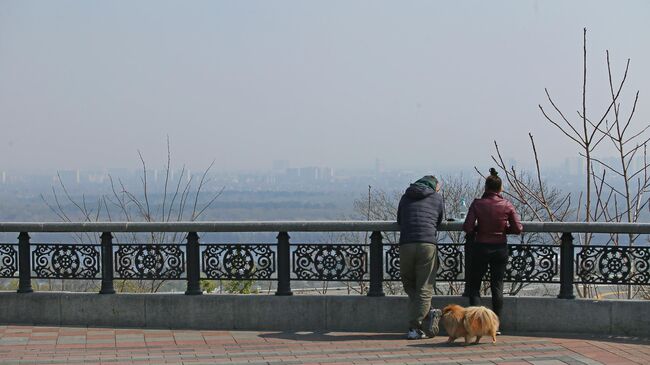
418,264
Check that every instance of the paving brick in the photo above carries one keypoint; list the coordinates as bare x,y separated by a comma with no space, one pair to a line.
114,346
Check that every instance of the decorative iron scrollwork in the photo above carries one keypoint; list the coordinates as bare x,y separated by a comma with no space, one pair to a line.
330,262
8,261
391,262
66,261
532,263
613,265
238,261
451,260
155,262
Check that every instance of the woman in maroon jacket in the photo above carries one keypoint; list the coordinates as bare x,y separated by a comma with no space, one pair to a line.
488,221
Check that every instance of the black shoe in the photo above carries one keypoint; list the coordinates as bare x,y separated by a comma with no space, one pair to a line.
430,324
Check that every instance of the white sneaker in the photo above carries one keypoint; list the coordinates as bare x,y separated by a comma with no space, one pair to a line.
430,323
415,334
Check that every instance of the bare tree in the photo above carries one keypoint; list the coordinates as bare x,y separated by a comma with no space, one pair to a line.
584,132
634,180
180,201
613,192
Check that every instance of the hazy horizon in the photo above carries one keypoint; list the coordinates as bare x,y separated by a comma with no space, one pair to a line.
414,84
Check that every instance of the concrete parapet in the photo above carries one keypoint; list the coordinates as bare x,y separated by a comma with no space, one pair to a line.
308,312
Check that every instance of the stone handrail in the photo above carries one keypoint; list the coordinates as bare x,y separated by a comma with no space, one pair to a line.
302,226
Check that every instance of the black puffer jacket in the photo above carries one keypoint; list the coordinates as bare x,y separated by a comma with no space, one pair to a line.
419,214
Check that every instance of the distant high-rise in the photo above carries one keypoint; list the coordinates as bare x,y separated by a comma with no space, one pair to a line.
293,172
280,165
379,166
574,166
309,173
325,173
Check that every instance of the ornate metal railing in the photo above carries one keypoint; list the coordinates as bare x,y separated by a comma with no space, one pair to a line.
283,261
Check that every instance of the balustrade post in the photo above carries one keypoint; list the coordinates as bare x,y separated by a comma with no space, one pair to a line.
24,264
284,260
566,267
469,242
193,265
107,264
376,265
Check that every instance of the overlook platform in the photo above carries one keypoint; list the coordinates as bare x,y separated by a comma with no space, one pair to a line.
197,328
70,345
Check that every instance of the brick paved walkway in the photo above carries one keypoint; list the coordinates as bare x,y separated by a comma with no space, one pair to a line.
66,345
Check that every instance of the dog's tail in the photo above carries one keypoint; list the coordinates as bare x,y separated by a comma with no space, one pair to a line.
479,319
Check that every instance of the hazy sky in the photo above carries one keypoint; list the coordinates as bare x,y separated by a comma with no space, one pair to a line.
85,84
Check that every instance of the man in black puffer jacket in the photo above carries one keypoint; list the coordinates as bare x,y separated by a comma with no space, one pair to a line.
419,214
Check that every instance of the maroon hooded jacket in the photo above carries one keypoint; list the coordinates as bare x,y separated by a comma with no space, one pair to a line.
490,218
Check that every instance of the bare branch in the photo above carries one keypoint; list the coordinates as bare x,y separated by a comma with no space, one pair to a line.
581,143
198,190
144,186
643,169
68,196
61,216
178,186
611,187
217,195
539,179
169,160
604,164
629,119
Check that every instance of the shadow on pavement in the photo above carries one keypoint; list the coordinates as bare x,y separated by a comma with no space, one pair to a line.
332,336
586,337
440,341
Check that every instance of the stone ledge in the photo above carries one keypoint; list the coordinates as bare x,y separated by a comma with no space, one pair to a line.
308,312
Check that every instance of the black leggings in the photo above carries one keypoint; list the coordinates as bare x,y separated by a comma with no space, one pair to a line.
482,255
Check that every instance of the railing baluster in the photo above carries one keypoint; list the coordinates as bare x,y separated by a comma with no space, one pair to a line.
24,262
107,264
566,267
284,260
193,265
376,265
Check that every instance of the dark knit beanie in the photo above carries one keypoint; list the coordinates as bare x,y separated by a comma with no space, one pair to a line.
429,181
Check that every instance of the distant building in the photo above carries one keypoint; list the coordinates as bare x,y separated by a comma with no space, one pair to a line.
280,165
97,177
379,166
574,166
326,173
293,173
68,176
309,173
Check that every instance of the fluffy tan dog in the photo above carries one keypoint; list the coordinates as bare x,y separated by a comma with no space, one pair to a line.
469,322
